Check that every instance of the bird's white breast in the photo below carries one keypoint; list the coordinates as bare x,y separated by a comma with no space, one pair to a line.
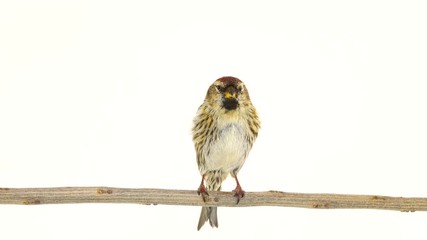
230,149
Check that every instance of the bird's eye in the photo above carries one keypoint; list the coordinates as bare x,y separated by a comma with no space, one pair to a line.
219,88
240,88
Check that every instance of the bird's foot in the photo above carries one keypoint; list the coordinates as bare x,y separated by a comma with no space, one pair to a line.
202,191
238,193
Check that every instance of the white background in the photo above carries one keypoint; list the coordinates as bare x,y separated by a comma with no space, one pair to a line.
102,93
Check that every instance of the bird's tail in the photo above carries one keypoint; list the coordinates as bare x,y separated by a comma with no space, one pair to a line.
208,213
213,180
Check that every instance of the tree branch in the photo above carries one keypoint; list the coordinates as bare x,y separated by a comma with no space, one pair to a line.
61,195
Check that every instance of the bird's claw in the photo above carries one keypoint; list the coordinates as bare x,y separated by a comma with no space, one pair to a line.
202,191
238,193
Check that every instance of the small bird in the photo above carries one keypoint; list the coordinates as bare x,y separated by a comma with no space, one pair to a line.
224,130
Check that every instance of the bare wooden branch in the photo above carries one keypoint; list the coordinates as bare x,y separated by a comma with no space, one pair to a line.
63,195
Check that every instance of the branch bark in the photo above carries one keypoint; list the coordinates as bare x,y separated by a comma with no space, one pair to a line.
71,195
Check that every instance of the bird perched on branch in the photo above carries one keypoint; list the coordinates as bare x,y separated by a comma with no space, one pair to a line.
225,128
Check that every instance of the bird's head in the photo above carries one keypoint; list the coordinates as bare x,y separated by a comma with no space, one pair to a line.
228,93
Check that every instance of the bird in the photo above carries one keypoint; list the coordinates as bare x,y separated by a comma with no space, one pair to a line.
224,130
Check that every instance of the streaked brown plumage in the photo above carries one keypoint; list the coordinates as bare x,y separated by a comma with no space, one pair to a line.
225,128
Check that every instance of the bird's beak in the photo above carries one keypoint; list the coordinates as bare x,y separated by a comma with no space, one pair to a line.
230,92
